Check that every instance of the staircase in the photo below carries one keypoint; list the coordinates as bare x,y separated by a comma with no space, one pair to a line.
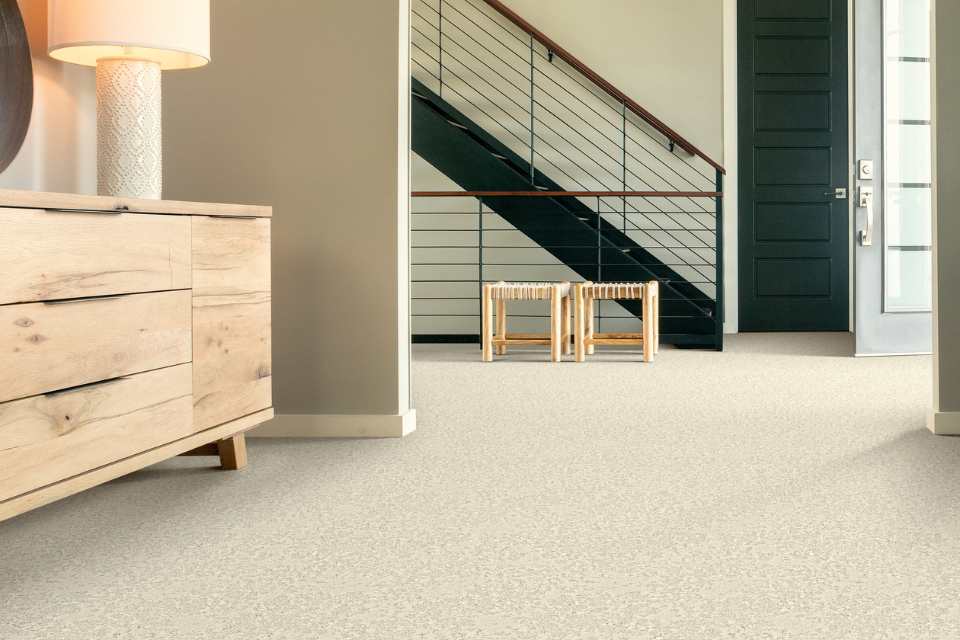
598,188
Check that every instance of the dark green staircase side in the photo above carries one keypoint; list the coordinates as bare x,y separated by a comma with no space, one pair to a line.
565,227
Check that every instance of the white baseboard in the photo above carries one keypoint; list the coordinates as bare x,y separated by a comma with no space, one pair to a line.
338,426
944,423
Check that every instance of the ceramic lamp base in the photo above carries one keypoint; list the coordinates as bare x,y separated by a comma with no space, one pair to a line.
129,132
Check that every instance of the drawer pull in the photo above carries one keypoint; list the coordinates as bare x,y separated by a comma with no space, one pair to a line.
108,212
101,383
230,217
77,300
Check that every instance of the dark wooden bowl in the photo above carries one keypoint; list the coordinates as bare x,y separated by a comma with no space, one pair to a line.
16,82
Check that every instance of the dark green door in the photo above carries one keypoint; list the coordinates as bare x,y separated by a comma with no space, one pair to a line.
794,225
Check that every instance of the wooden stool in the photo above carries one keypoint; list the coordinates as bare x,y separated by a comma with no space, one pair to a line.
586,340
500,293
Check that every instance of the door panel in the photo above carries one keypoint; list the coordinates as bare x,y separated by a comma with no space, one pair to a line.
797,222
794,233
778,167
784,55
805,9
792,111
232,369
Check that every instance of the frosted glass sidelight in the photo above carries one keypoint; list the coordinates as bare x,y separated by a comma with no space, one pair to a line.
908,156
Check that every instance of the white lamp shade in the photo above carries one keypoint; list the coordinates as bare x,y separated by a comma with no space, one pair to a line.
173,33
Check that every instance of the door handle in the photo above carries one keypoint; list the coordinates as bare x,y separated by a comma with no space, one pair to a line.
840,193
865,201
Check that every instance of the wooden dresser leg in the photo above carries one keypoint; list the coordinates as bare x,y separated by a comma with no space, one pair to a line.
233,452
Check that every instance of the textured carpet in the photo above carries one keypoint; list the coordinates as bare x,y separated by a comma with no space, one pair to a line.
778,490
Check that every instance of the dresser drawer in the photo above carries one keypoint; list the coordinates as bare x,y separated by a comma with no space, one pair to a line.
51,346
52,437
49,255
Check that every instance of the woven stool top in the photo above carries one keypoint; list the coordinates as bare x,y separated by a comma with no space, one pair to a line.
615,290
527,290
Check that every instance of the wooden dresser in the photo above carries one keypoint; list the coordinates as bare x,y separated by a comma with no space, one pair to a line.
131,331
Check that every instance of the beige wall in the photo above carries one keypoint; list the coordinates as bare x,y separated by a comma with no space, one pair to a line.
305,107
60,151
665,54
946,302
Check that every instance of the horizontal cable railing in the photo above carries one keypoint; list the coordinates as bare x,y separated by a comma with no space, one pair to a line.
459,242
567,194
579,137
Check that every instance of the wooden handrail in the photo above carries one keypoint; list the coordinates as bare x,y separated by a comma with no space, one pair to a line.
566,194
594,77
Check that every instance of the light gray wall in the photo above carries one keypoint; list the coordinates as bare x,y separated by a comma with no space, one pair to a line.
946,304
305,107
60,151
665,54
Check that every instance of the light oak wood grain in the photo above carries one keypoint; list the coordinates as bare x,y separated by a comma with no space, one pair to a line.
579,324
230,256
92,478
48,438
46,255
233,452
101,314
47,200
501,332
486,323
586,339
556,324
209,449
232,365
231,319
46,347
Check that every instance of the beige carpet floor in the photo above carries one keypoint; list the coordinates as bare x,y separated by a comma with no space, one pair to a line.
781,489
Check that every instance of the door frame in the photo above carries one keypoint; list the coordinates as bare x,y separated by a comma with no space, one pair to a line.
731,158
878,332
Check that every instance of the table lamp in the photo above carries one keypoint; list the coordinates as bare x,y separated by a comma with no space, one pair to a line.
130,42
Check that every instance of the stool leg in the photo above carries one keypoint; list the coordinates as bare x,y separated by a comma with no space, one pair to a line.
565,328
590,347
580,353
486,324
648,324
556,325
501,326
656,318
